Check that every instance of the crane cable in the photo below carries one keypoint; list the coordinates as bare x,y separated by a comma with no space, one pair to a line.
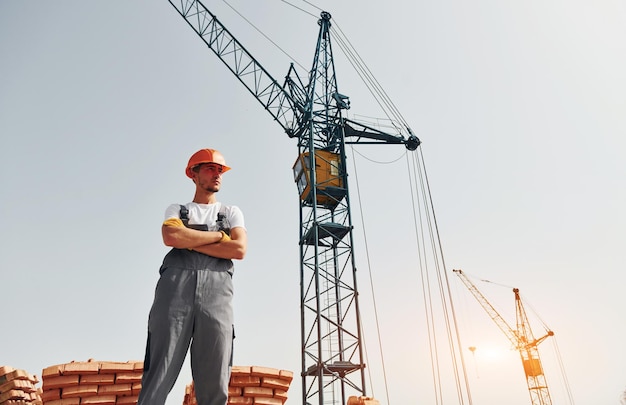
453,335
381,97
443,283
371,280
426,205
301,9
265,35
563,374
427,234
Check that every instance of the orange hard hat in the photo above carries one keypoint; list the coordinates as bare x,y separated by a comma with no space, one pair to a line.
206,156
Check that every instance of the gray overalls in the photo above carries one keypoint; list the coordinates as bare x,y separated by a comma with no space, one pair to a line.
192,306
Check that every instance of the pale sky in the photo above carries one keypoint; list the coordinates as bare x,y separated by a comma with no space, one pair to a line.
521,111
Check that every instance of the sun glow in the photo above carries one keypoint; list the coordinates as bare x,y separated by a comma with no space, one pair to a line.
490,353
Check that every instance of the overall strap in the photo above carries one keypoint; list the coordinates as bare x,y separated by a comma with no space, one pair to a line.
184,214
222,222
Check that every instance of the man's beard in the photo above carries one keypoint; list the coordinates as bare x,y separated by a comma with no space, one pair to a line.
210,186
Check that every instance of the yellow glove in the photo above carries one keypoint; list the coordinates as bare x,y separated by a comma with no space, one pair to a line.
176,222
225,237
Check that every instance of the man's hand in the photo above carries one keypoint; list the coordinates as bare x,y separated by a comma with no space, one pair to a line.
229,247
225,237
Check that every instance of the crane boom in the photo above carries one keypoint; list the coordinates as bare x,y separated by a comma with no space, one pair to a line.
523,340
284,103
491,311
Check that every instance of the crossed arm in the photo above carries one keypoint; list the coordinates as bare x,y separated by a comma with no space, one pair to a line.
210,243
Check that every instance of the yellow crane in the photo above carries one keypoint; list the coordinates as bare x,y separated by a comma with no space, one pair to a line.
522,339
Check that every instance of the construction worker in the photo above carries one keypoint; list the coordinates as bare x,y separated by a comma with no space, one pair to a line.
193,298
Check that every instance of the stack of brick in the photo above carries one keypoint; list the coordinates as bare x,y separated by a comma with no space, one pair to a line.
17,387
92,383
252,385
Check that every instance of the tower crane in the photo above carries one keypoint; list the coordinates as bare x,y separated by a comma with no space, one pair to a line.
522,339
312,112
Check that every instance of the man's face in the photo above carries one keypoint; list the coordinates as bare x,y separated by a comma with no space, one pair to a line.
208,176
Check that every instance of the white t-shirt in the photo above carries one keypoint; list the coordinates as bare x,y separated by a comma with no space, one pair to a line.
207,214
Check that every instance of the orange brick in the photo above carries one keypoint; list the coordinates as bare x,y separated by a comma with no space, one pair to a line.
23,385
111,367
286,375
264,371
52,371
247,381
79,391
136,388
99,400
7,373
258,392
115,389
240,401
67,401
267,401
138,366
5,370
51,395
16,402
60,382
240,371
280,394
270,382
81,367
122,378
128,400
100,379
234,391
16,375
12,394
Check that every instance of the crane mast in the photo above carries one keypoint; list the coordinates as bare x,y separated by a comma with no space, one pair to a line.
522,339
332,359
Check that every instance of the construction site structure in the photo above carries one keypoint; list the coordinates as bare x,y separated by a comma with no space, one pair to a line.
311,112
522,339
